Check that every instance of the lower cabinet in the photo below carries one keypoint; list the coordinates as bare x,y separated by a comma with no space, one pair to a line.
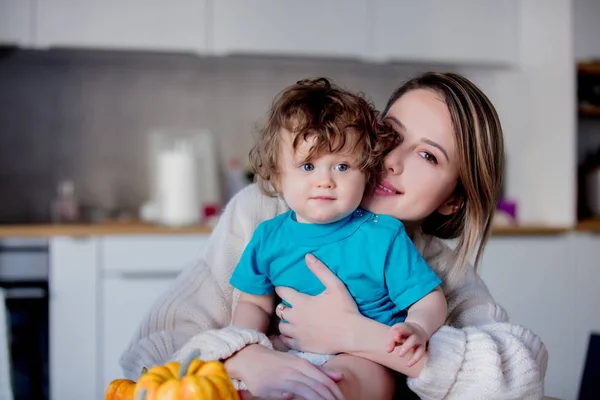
101,288
125,302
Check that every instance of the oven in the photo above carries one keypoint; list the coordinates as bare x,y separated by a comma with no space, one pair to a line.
24,266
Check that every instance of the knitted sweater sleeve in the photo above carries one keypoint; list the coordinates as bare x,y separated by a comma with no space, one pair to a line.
201,298
479,354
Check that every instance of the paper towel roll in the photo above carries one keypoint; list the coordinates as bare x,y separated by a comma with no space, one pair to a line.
178,203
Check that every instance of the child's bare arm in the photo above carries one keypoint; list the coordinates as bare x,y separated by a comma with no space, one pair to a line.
424,318
429,312
254,312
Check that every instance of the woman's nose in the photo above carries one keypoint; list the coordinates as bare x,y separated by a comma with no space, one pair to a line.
393,162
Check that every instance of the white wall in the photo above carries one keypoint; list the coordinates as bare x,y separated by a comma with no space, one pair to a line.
586,27
586,24
536,103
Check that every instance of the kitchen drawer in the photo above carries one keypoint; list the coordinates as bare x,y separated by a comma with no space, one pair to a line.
146,255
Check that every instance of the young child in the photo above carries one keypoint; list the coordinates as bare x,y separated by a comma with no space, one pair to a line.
320,149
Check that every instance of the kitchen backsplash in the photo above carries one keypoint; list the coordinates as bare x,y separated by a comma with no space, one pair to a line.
86,115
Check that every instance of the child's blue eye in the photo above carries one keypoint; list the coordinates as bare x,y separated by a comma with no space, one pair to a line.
342,167
307,167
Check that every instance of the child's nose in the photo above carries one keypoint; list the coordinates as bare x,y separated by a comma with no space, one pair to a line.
325,180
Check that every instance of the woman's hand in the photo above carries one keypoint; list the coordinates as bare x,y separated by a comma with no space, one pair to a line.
319,324
271,374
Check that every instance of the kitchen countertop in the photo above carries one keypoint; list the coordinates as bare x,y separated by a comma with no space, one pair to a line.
100,229
590,225
142,228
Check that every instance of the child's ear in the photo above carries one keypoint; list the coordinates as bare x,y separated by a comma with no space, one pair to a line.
451,206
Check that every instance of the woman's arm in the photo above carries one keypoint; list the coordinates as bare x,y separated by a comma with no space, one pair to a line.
189,316
201,298
480,355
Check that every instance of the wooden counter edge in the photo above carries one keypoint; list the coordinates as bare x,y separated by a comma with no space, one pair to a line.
82,230
589,225
529,230
118,229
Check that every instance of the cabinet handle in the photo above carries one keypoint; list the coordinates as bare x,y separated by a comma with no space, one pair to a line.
150,274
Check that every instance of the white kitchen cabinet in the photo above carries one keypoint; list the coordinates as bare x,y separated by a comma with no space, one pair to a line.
74,336
133,24
143,254
533,279
586,272
134,272
100,290
458,31
16,22
323,28
125,302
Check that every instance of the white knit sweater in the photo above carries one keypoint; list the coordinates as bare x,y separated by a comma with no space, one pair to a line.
477,355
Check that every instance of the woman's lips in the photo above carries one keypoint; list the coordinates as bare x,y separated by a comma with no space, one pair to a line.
384,189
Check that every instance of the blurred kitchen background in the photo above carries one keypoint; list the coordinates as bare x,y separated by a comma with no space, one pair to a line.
125,127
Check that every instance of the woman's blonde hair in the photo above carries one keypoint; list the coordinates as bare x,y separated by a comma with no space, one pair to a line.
335,117
480,151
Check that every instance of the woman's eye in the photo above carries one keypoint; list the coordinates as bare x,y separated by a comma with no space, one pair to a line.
342,167
307,167
428,157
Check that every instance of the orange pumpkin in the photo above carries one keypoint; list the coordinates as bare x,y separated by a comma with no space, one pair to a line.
120,389
199,381
192,380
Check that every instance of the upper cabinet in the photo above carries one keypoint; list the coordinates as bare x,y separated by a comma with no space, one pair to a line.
457,31
16,24
132,24
322,28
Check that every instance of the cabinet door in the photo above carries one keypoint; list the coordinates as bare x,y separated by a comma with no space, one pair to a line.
335,28
533,279
125,302
462,31
73,329
16,24
131,24
586,272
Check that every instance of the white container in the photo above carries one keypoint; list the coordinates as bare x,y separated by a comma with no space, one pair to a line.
177,185
201,145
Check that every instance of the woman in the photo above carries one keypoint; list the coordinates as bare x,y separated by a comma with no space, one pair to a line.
452,151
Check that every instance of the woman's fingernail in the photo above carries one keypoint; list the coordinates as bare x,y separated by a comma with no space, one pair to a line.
310,257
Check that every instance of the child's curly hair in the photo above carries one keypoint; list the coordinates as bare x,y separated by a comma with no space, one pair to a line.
336,117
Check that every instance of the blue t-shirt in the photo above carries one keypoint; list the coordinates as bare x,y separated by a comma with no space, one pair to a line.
371,254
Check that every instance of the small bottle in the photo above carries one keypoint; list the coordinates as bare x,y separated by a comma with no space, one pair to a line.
65,208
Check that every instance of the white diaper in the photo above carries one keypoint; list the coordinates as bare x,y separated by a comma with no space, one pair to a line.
313,358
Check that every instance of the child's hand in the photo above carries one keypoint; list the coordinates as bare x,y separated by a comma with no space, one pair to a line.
278,344
408,336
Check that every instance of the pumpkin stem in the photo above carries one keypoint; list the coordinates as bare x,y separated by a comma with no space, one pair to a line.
186,363
141,395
